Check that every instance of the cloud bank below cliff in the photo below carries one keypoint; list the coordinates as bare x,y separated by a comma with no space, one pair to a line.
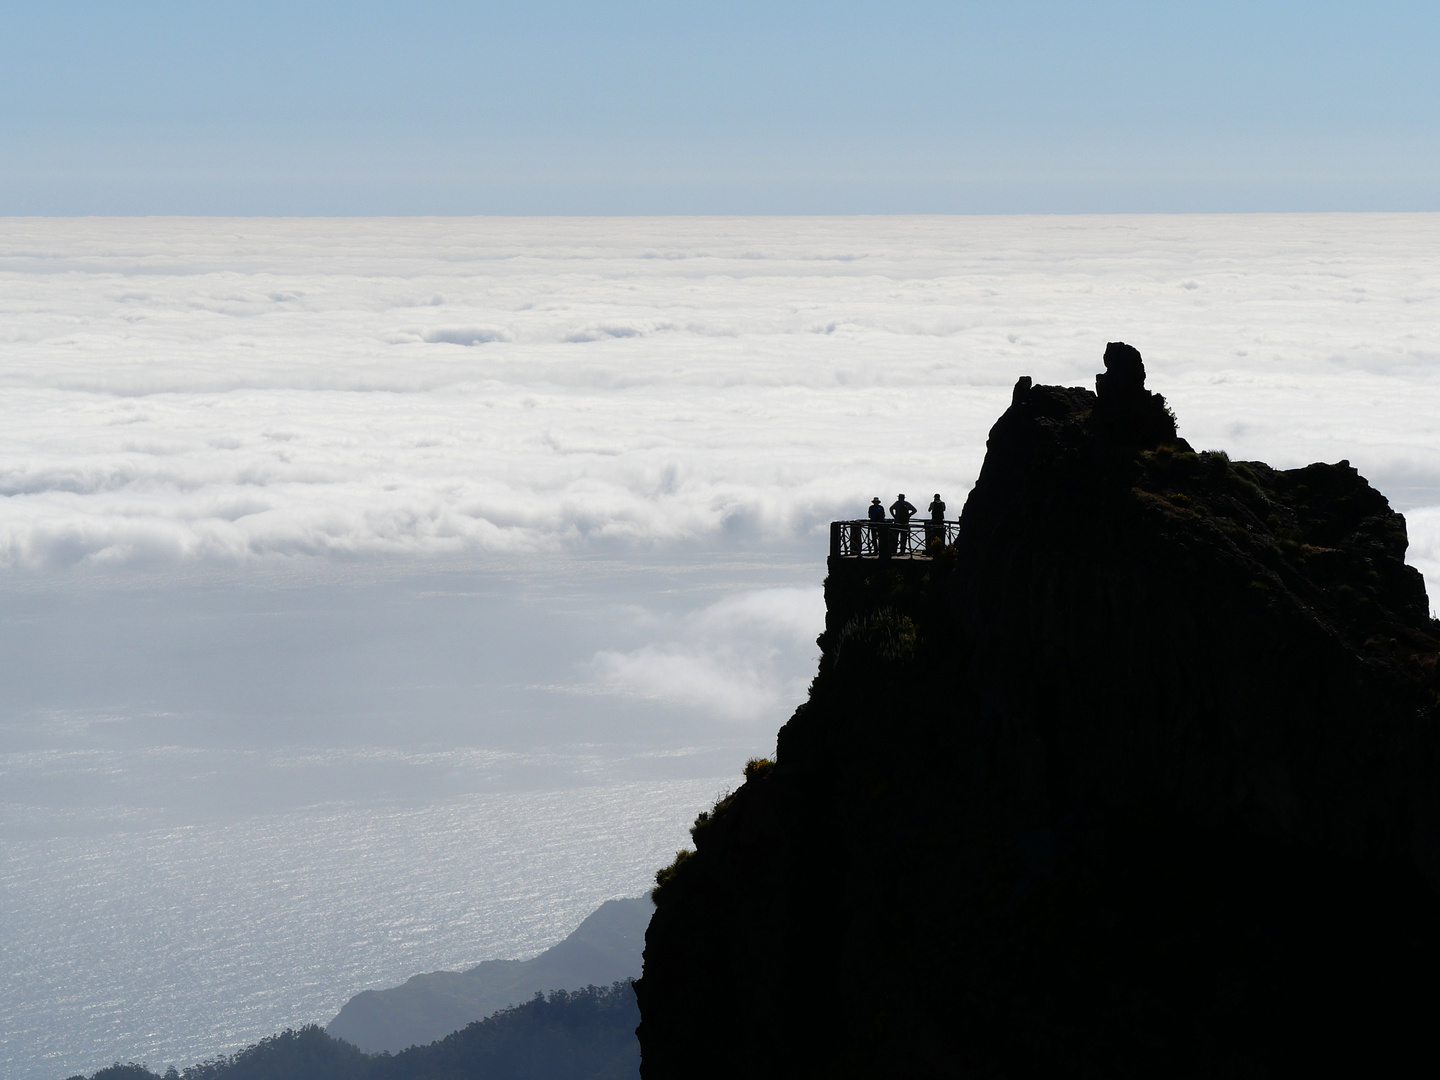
738,658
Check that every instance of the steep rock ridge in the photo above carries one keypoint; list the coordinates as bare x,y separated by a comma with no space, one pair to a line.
1140,778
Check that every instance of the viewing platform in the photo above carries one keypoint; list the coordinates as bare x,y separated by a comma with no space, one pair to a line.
916,539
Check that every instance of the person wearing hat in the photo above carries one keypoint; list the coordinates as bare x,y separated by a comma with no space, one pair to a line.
902,512
877,516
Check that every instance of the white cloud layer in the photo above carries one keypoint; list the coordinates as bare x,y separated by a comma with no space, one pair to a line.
746,657
234,389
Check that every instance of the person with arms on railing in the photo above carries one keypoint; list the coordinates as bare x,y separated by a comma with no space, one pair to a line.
902,512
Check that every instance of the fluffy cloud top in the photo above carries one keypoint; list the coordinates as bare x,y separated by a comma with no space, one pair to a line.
229,390
745,657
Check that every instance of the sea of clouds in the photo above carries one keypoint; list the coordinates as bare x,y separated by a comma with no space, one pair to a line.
477,554
211,389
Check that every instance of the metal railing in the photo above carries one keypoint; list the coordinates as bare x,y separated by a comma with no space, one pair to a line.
916,539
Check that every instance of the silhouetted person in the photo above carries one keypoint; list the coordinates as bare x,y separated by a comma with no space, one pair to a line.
902,512
877,527
935,530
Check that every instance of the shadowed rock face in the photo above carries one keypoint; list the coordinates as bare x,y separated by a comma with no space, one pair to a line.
1140,779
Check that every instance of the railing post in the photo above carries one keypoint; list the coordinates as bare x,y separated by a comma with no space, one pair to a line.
835,527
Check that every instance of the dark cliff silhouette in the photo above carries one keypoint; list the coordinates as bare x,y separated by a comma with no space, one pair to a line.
1140,778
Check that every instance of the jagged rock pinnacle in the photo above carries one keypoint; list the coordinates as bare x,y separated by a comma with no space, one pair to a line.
1124,375
1124,409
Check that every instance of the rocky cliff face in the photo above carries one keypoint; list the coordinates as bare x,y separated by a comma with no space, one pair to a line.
1138,779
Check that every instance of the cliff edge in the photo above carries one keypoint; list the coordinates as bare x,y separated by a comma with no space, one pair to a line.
1139,778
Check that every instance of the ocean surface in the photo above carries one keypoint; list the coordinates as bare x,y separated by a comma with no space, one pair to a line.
173,944
232,800
379,596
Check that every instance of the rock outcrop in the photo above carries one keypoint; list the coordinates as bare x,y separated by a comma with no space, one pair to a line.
1140,778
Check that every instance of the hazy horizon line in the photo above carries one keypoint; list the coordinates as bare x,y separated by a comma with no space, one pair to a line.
661,215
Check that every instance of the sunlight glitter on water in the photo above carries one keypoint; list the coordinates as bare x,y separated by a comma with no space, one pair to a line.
174,944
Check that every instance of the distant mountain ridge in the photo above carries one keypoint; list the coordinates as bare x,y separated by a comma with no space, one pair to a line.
586,1034
606,948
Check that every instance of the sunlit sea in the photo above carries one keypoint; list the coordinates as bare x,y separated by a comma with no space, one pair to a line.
169,945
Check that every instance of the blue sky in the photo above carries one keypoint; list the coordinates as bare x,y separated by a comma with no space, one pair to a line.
737,107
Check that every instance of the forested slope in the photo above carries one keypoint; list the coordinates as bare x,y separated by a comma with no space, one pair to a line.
580,1035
